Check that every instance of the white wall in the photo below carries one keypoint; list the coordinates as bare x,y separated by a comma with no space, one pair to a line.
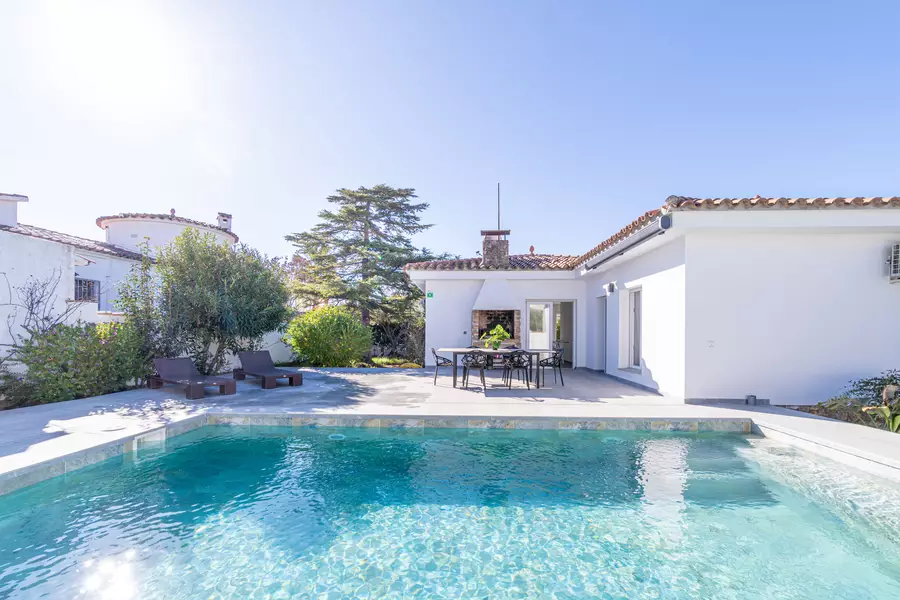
109,271
131,233
8,213
448,312
21,257
280,351
790,316
660,274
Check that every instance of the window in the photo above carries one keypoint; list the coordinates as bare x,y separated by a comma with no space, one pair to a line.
87,290
536,318
634,316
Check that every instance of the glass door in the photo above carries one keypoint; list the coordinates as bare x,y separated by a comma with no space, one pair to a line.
540,319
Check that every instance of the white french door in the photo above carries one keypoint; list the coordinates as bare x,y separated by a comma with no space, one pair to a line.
540,321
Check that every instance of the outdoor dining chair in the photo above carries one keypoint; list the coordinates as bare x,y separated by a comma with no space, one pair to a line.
439,361
475,360
518,362
555,362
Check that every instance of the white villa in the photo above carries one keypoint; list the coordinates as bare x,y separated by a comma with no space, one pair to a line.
785,299
90,270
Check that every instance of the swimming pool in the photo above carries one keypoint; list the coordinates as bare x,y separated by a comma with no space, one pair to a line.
265,512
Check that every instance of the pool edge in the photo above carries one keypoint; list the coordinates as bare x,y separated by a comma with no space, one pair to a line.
48,468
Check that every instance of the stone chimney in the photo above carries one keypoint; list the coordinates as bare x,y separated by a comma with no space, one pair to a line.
495,249
224,220
9,209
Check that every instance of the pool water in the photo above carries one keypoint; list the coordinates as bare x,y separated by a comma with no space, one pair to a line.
230,512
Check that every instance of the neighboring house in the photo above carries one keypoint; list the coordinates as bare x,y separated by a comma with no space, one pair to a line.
89,271
786,299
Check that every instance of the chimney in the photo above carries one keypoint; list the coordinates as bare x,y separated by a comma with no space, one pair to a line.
9,209
495,249
224,220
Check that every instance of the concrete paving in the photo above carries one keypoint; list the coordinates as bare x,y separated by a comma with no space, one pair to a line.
43,433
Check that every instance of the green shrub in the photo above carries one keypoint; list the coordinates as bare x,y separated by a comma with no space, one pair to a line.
388,361
844,408
869,390
862,403
402,363
75,361
330,336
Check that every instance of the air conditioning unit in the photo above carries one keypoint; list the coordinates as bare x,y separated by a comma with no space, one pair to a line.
894,263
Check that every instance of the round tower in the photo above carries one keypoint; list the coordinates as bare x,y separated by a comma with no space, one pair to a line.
130,230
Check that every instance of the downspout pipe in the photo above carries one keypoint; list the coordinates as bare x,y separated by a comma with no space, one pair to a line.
662,224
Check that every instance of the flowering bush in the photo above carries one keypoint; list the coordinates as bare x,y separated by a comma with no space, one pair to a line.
74,361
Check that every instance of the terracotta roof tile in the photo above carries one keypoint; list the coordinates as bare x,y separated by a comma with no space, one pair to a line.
71,240
673,203
164,217
517,262
633,227
685,203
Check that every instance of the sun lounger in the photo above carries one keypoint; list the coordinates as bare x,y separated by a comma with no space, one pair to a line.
181,371
259,364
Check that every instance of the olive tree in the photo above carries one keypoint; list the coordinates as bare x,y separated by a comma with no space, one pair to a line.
212,298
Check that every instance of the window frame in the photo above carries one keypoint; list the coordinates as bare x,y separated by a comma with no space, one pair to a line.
635,328
93,286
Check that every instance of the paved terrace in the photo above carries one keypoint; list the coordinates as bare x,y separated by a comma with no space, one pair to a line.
56,433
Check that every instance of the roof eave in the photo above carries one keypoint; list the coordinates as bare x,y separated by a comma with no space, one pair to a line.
653,228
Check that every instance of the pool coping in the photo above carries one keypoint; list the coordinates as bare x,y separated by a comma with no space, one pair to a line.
110,444
829,448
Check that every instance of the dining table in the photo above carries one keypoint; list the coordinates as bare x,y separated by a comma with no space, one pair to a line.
532,355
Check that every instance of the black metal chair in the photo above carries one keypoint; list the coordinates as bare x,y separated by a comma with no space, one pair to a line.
518,362
439,361
555,362
475,360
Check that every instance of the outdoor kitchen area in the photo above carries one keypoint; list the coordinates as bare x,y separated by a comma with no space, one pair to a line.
485,320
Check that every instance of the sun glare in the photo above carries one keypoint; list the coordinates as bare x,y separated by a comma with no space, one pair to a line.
123,60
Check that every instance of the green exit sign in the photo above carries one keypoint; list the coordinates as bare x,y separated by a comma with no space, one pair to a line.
429,295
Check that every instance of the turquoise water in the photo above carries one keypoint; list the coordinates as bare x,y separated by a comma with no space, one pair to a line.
228,512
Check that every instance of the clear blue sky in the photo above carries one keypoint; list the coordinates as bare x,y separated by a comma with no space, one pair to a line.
588,113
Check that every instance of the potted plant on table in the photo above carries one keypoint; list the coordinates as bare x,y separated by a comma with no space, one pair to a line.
495,337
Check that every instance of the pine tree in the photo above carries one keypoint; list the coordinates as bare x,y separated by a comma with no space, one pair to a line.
356,254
